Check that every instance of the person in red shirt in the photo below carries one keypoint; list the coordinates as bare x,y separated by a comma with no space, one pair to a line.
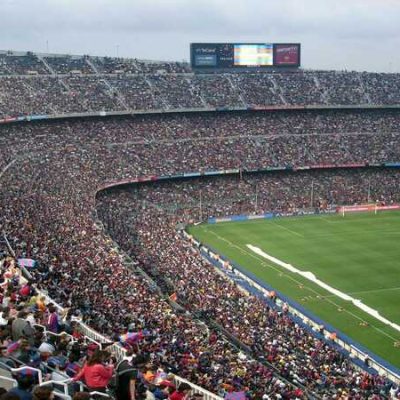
181,393
96,373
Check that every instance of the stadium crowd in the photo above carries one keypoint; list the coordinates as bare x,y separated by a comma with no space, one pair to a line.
144,219
94,84
51,172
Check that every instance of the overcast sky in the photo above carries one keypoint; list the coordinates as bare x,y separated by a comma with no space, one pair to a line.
335,34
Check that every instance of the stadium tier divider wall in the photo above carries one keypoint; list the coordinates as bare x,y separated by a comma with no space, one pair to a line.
102,113
251,284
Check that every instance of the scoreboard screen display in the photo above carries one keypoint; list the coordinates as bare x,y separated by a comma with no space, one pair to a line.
244,55
253,55
287,55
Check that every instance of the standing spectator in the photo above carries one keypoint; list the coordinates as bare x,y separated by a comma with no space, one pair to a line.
182,392
126,377
22,328
96,372
53,320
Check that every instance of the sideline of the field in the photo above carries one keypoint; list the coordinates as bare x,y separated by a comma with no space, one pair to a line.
311,277
371,291
289,276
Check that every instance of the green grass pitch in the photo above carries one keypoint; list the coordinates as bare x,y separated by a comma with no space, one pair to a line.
358,254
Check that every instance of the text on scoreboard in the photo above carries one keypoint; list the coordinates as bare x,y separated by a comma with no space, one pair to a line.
243,55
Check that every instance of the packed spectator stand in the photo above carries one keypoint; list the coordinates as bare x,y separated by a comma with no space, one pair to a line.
51,171
82,84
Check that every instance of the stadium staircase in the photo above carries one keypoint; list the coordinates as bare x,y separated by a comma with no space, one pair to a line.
366,94
202,99
164,102
278,90
324,93
236,90
46,64
91,65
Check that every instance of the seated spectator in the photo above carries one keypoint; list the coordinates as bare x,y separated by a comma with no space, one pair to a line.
47,348
9,396
5,360
81,396
43,393
25,381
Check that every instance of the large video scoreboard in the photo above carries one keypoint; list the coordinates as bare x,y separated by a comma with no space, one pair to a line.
244,55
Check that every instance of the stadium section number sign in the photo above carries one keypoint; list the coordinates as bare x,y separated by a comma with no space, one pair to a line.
244,55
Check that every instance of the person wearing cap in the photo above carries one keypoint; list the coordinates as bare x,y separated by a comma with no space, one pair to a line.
25,383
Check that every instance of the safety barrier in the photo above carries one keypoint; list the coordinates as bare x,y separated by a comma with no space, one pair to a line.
120,352
7,383
25,367
197,389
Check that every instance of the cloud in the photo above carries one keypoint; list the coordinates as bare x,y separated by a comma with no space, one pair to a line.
164,28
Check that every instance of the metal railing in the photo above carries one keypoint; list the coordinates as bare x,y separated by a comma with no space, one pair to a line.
9,382
197,389
25,367
120,352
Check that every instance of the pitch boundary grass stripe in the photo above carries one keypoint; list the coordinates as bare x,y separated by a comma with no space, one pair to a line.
279,270
311,277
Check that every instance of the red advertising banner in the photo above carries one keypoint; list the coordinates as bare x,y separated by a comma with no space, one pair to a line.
287,54
368,207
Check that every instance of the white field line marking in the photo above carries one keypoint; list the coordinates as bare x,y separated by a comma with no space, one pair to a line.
393,289
287,229
311,277
328,221
271,266
367,231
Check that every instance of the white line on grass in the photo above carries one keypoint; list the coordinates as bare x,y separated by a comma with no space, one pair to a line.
364,231
328,221
311,277
271,266
288,230
369,291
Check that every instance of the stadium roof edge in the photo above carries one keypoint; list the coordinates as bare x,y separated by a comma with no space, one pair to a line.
20,53
77,56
